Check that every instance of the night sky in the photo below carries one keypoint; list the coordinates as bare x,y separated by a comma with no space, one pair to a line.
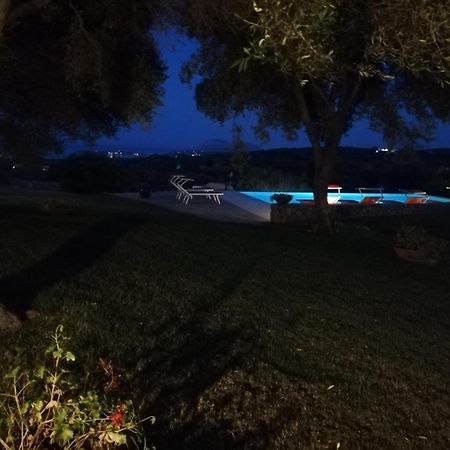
178,125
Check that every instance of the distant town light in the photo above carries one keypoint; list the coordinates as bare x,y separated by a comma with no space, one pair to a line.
385,150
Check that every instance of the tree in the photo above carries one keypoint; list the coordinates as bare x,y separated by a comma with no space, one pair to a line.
320,64
74,69
240,157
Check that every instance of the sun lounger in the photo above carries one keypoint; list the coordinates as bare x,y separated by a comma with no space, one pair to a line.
371,190
416,200
370,200
185,195
412,192
210,194
176,181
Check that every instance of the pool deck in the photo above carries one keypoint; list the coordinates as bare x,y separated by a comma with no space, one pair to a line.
235,207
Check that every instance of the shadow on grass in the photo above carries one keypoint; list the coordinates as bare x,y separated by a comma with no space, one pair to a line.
17,291
208,346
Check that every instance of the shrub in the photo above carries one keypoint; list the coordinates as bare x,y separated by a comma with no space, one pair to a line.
414,238
48,407
282,199
89,173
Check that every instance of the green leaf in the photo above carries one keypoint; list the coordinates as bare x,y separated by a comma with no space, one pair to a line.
256,8
38,405
64,435
57,353
50,348
69,356
60,414
12,374
117,438
40,372
24,408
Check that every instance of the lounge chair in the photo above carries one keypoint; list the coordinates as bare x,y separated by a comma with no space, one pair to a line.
185,195
371,190
371,200
176,181
412,192
410,201
416,200
188,194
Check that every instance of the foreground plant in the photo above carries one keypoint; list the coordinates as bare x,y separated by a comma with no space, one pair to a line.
416,245
49,408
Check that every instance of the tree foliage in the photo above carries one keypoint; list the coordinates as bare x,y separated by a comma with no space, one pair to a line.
74,69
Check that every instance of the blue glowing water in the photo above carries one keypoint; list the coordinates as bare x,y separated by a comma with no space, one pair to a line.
401,198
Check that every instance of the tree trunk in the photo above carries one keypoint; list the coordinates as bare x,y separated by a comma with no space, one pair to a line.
4,11
324,160
325,140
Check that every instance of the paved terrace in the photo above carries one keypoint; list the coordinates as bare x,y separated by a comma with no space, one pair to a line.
235,207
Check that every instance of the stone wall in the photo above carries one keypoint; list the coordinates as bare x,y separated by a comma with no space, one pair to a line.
297,213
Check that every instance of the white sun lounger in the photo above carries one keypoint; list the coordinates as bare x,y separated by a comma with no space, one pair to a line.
185,195
178,181
189,194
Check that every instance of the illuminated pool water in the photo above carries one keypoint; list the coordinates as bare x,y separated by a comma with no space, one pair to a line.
401,198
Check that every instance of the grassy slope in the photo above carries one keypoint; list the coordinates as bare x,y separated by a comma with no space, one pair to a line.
232,335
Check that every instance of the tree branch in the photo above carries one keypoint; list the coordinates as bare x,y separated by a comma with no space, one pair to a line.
81,23
4,12
320,93
87,34
13,17
348,98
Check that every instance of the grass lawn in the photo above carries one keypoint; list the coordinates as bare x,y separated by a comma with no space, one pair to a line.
237,336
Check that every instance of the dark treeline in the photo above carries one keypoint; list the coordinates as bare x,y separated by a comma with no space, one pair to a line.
276,169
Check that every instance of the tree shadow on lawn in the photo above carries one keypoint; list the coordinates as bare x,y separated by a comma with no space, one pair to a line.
191,357
17,291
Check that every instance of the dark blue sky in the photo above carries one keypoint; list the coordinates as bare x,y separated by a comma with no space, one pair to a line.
178,124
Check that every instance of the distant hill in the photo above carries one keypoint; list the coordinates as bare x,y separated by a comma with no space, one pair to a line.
222,146
214,146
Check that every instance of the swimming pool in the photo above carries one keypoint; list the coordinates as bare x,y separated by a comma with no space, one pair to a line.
356,196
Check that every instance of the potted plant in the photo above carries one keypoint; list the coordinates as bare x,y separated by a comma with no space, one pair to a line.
414,244
281,199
